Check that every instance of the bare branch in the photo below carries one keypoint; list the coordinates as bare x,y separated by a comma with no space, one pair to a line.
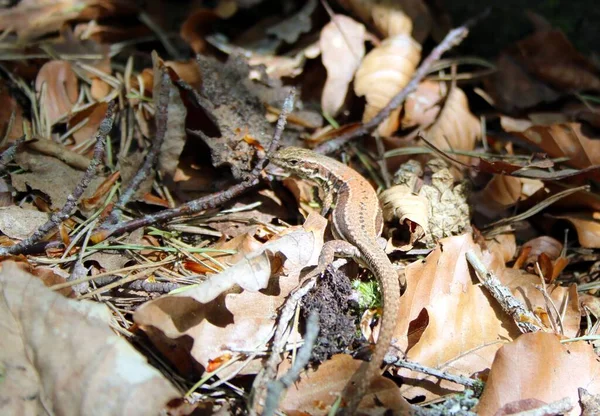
66,211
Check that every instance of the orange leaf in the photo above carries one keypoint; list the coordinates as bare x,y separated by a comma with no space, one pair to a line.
538,366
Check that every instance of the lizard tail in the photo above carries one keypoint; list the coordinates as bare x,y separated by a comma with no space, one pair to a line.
386,274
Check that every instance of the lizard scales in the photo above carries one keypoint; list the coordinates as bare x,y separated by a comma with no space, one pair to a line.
357,219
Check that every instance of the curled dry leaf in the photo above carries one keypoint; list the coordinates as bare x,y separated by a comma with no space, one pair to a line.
383,73
538,366
587,225
456,127
571,140
32,18
402,203
60,90
236,308
393,17
432,208
87,367
317,390
446,320
503,192
542,245
342,44
175,136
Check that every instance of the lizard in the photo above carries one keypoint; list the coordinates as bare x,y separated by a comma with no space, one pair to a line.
357,222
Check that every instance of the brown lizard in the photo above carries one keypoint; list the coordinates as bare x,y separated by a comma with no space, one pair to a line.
356,224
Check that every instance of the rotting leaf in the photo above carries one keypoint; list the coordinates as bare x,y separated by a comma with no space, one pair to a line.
20,223
538,366
84,368
51,176
342,44
229,102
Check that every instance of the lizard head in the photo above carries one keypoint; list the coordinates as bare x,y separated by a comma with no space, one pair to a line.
298,161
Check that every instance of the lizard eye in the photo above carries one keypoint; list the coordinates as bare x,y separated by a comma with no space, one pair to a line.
293,162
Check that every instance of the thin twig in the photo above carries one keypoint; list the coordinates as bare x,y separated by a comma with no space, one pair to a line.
162,103
526,321
475,385
209,201
277,387
559,407
453,38
10,152
65,212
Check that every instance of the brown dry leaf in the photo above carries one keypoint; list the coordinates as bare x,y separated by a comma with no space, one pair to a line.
543,244
571,140
383,73
550,56
87,365
538,366
20,223
456,127
422,106
197,25
8,105
513,88
175,137
243,245
394,17
228,308
51,176
503,192
587,225
60,89
342,45
187,71
446,321
290,29
32,18
504,246
317,390
92,116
